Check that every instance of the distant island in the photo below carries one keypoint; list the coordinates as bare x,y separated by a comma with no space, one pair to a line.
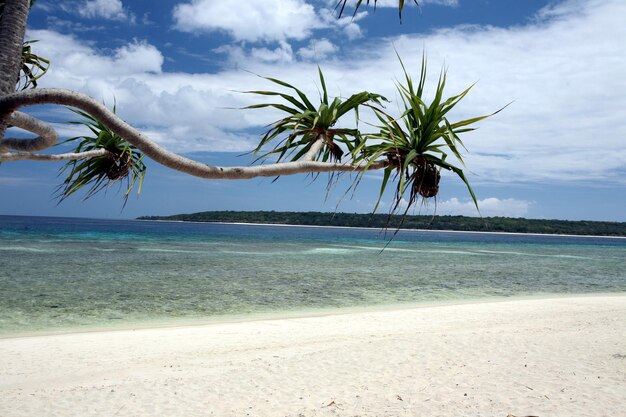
457,223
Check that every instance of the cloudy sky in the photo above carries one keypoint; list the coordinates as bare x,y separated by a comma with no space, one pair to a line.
174,70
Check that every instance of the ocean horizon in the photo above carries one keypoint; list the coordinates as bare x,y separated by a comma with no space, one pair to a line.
72,274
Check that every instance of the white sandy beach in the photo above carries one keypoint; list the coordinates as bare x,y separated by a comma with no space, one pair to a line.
553,357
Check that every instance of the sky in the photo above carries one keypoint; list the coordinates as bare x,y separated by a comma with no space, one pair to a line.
175,69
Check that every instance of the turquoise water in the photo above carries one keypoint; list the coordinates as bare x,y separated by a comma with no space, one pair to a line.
60,274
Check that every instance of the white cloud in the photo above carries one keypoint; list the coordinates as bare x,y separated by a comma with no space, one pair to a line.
269,20
138,57
282,53
76,62
391,3
394,3
263,20
240,57
318,49
105,9
346,24
489,207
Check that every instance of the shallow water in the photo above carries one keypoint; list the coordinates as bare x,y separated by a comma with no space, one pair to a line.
59,274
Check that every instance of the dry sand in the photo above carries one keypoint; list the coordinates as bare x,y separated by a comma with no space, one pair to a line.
547,358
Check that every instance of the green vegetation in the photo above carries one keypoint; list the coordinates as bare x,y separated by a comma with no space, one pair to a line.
306,124
417,143
33,67
460,223
415,146
122,162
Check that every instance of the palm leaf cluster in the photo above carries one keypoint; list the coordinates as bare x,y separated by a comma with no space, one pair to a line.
32,67
417,144
122,162
305,123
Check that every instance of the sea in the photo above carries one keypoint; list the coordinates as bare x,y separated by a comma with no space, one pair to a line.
70,274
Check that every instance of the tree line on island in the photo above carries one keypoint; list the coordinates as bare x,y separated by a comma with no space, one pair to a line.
457,223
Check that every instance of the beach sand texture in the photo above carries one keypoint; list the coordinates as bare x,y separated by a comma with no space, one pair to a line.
548,358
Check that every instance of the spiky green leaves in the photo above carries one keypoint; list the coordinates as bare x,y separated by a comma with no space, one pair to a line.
418,143
416,146
304,124
32,68
122,162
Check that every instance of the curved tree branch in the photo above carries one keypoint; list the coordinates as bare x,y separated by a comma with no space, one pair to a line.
12,102
23,156
47,135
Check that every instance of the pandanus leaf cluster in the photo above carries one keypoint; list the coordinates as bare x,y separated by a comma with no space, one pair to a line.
33,67
305,123
418,144
415,146
122,162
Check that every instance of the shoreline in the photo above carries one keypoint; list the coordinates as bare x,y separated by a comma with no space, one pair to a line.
549,357
375,228
299,314
335,227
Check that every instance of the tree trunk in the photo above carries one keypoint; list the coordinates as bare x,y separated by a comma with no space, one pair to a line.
12,31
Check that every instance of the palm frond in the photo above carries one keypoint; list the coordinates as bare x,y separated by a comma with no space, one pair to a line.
418,142
294,134
32,67
122,162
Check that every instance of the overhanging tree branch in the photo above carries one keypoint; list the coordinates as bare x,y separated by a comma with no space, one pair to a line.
11,102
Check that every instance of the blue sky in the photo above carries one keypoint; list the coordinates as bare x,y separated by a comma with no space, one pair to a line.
174,68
